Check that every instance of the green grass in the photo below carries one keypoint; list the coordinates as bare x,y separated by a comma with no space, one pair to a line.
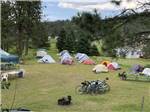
43,84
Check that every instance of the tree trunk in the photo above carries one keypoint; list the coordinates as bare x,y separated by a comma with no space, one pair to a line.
19,40
26,45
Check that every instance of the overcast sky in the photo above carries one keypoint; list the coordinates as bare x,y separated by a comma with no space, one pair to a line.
65,9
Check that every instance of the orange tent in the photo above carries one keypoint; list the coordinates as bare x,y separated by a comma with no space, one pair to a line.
105,63
89,62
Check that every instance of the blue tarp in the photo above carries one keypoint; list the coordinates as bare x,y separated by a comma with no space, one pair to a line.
6,57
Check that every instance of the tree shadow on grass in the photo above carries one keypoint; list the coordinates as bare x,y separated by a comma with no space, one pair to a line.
146,80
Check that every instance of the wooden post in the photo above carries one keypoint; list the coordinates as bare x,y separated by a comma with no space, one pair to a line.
142,104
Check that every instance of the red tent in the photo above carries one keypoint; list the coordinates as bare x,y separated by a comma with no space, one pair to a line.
67,62
111,67
89,62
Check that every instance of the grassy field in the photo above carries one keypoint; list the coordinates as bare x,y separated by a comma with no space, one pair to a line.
43,84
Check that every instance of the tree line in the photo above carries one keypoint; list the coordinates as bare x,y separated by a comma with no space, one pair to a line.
22,29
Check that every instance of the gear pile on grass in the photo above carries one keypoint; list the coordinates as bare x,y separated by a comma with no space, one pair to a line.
93,87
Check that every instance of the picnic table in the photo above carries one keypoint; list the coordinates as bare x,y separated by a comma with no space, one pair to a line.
8,66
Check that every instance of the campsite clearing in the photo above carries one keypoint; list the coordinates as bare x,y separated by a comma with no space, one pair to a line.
45,83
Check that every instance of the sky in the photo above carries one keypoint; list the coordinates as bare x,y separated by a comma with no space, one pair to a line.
65,9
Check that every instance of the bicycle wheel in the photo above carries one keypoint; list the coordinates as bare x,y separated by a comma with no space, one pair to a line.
79,89
106,87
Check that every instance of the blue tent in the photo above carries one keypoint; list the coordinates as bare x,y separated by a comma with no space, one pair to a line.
6,57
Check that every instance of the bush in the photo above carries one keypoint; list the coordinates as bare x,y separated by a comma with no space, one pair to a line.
93,51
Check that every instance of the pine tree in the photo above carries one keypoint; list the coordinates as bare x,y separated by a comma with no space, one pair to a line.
61,40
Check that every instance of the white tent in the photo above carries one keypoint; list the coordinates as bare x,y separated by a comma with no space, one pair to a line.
41,53
146,71
100,68
81,57
2,52
46,59
115,65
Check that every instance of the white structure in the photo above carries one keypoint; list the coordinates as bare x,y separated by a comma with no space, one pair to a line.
129,52
41,53
100,68
146,72
46,59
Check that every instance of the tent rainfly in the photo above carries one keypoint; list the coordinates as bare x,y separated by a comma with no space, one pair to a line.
146,72
6,57
83,58
66,57
41,53
46,59
100,68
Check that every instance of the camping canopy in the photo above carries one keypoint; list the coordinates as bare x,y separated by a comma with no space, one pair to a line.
41,53
46,59
6,57
146,71
66,57
100,68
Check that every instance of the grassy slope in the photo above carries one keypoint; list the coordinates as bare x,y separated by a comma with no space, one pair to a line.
45,83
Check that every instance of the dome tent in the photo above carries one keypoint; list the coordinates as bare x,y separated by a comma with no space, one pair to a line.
137,69
100,68
66,57
146,72
105,63
113,66
83,58
6,57
46,59
41,53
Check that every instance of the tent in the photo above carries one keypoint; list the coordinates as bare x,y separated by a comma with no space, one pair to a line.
137,68
66,57
100,68
113,66
46,59
146,71
83,58
6,57
88,62
41,53
110,67
105,63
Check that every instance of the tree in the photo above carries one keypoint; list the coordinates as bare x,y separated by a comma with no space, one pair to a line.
61,40
89,22
83,44
7,24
